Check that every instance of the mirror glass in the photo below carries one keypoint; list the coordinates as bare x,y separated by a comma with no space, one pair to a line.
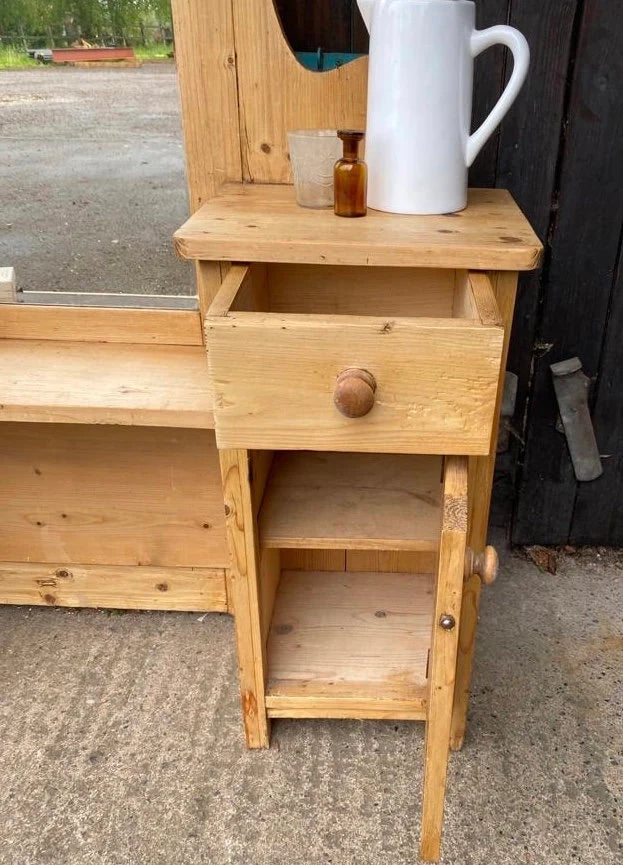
323,33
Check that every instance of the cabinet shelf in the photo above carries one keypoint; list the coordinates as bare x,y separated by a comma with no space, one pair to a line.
326,500
350,645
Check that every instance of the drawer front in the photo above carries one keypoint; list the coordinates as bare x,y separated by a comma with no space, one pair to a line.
275,379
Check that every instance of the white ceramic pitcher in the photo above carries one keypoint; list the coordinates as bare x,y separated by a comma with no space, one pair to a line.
420,80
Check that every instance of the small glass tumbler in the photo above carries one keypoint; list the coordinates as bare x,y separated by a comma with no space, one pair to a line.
313,153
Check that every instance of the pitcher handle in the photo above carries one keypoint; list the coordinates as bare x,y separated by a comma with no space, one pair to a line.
516,41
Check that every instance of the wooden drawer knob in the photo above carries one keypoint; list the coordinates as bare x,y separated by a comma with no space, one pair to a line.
485,565
354,392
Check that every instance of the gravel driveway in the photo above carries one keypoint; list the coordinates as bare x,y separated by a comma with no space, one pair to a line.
92,181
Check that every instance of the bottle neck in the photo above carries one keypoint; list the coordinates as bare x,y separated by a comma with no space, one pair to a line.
351,151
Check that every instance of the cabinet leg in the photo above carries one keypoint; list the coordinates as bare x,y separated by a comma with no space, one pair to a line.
244,589
256,723
481,471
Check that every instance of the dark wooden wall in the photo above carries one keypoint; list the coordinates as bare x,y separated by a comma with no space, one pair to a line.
560,152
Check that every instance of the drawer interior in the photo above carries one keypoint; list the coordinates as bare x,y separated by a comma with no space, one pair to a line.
360,291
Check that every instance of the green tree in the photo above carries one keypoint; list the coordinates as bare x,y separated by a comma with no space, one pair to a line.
88,16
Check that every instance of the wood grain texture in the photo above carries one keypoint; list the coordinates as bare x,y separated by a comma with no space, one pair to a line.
209,275
464,302
448,599
113,495
395,561
113,587
484,298
104,383
404,562
260,468
71,323
359,706
314,560
269,576
598,516
205,57
355,637
482,469
436,382
256,222
277,94
244,585
532,141
232,286
481,472
337,290
354,501
585,254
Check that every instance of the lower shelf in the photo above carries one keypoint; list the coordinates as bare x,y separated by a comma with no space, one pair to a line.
350,645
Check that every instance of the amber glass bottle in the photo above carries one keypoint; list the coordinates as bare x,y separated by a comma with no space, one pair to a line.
350,177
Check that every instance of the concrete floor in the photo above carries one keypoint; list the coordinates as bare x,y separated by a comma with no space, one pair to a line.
92,182
121,742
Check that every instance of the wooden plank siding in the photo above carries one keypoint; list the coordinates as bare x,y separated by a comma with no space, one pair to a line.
559,152
580,302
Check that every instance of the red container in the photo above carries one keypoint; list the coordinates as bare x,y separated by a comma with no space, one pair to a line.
74,55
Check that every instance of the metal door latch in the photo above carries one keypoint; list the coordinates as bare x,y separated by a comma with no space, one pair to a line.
571,386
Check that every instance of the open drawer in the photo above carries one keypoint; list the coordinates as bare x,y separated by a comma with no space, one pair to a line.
396,360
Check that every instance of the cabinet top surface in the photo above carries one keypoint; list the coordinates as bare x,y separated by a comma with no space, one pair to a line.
253,222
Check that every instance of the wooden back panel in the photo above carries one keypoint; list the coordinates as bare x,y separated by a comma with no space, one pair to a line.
242,89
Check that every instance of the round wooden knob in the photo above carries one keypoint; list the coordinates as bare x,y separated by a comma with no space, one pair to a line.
485,565
354,392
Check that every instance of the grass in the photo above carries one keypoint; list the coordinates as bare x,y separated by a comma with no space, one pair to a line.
153,52
15,58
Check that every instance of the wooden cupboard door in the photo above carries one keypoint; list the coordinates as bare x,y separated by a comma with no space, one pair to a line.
444,649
